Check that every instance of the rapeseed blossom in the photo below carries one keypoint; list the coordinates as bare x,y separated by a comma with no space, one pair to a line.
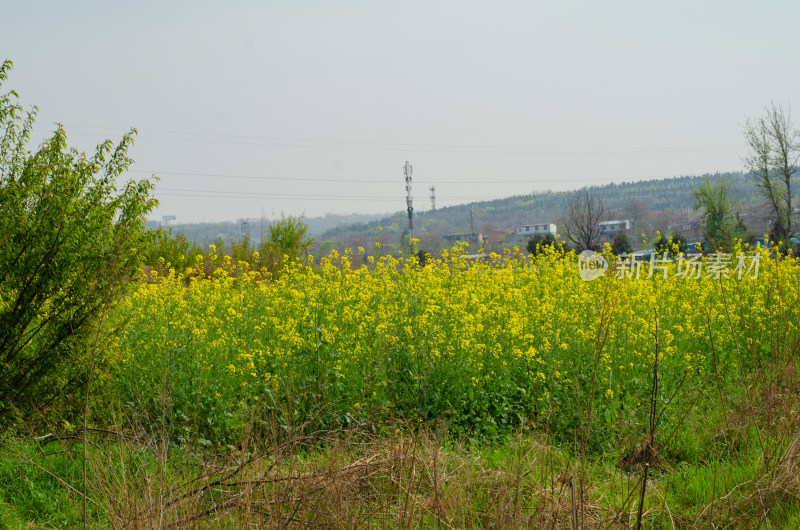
483,344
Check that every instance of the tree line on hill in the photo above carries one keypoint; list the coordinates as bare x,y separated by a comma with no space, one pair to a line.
665,206
661,205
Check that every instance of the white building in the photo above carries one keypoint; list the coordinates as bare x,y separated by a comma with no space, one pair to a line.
611,228
532,230
523,233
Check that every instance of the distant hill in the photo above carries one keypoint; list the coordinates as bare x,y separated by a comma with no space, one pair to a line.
665,205
206,233
657,204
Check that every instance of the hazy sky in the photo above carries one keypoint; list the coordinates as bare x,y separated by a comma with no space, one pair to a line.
319,104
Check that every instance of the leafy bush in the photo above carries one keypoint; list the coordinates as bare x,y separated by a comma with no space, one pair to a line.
71,240
537,243
166,250
621,244
287,240
674,244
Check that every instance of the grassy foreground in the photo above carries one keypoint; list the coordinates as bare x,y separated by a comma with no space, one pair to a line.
509,393
350,479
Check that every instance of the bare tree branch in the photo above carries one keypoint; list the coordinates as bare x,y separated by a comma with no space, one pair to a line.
584,212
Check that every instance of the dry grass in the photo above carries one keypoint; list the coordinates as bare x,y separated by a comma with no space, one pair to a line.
774,411
419,479
356,480
344,481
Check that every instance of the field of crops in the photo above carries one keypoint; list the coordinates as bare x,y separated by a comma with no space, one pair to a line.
482,347
510,391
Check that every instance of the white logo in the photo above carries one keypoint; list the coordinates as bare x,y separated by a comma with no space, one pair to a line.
591,265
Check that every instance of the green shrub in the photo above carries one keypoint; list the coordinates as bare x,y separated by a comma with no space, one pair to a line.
71,241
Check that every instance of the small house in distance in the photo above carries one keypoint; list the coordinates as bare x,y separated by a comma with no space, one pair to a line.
532,230
523,233
609,229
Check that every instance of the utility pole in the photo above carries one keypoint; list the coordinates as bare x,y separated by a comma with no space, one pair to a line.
433,200
471,220
632,228
407,172
261,242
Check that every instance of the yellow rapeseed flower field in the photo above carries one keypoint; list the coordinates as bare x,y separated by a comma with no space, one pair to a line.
484,345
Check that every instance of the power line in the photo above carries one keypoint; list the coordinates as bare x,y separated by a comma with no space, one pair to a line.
253,196
220,194
251,177
224,193
303,143
385,181
458,149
